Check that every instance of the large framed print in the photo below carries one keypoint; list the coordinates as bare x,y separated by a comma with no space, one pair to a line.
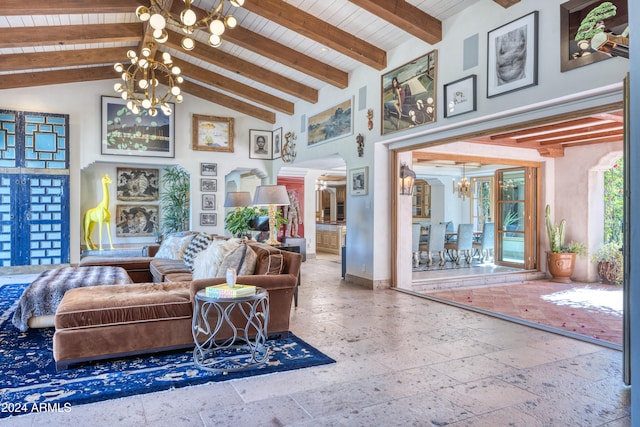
333,123
129,134
136,220
359,181
212,133
512,56
260,142
409,94
573,53
460,96
138,185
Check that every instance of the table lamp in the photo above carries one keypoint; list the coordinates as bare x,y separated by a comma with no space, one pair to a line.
271,195
237,199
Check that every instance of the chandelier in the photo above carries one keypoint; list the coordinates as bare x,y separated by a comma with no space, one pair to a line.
463,188
141,79
215,21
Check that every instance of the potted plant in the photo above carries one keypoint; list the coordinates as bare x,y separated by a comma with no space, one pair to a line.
561,258
174,200
608,261
238,221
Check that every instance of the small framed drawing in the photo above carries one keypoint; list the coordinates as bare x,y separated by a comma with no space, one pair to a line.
208,202
208,185
359,181
212,133
209,169
208,219
512,61
460,96
260,142
277,144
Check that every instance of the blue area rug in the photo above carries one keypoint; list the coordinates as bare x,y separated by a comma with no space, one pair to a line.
29,380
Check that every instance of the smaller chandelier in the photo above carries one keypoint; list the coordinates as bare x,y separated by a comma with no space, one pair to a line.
141,79
463,188
215,22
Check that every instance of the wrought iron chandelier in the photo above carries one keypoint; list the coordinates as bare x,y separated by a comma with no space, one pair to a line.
215,22
141,80
464,186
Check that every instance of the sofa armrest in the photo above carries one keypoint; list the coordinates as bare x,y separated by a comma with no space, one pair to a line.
150,250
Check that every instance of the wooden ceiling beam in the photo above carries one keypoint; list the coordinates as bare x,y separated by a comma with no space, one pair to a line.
44,78
233,86
555,152
611,127
228,102
600,137
67,7
62,58
555,127
249,70
406,17
15,37
507,3
320,31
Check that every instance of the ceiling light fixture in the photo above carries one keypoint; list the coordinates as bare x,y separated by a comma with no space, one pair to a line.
215,22
141,79
464,186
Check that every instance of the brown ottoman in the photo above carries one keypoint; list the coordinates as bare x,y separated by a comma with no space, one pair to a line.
137,267
112,321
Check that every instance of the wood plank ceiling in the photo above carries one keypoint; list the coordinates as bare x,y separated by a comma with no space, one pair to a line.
281,52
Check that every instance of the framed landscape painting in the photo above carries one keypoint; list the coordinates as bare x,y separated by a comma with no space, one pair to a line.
128,134
333,123
212,133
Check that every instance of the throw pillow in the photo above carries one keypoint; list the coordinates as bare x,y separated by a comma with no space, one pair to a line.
208,261
270,259
173,246
242,258
197,245
276,264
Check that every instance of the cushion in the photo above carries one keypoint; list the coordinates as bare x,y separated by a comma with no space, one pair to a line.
199,243
208,261
173,246
276,264
269,259
242,258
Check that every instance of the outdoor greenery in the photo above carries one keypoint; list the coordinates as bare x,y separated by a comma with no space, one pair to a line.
609,261
174,200
614,203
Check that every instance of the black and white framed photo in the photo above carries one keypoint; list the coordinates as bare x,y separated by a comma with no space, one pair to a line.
460,96
138,184
260,142
208,185
208,219
208,202
512,62
277,144
209,169
359,181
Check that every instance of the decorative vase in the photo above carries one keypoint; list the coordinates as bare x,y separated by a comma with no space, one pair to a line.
608,272
231,277
561,266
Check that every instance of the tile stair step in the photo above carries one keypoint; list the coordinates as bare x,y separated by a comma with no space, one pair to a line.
493,279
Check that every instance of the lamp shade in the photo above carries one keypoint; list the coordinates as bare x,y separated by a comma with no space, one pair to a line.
237,199
271,195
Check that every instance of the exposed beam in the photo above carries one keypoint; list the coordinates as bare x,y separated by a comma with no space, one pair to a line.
44,78
405,16
577,123
233,86
599,137
551,151
549,138
61,58
506,3
228,101
66,7
69,34
229,62
322,32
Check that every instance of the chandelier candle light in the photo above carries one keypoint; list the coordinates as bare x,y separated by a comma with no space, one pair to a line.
464,186
141,80
215,22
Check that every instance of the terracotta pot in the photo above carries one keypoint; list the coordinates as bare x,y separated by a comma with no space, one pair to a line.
608,272
561,266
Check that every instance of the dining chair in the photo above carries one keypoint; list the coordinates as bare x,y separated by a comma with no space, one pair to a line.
484,247
415,242
463,246
435,244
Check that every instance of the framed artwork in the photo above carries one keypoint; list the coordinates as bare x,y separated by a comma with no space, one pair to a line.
128,134
208,219
359,181
212,133
333,123
409,94
136,220
574,54
208,185
208,202
209,169
460,96
139,185
277,144
512,56
260,144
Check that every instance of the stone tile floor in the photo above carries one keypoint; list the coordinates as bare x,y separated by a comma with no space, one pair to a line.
401,360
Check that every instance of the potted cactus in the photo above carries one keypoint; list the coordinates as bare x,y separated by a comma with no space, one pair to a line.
561,258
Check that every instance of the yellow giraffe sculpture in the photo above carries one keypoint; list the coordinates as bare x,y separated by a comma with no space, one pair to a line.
100,215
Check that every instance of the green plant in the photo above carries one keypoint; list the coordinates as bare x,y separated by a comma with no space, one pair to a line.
609,261
238,221
174,200
556,235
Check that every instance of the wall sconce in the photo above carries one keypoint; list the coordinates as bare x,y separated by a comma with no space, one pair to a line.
407,179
